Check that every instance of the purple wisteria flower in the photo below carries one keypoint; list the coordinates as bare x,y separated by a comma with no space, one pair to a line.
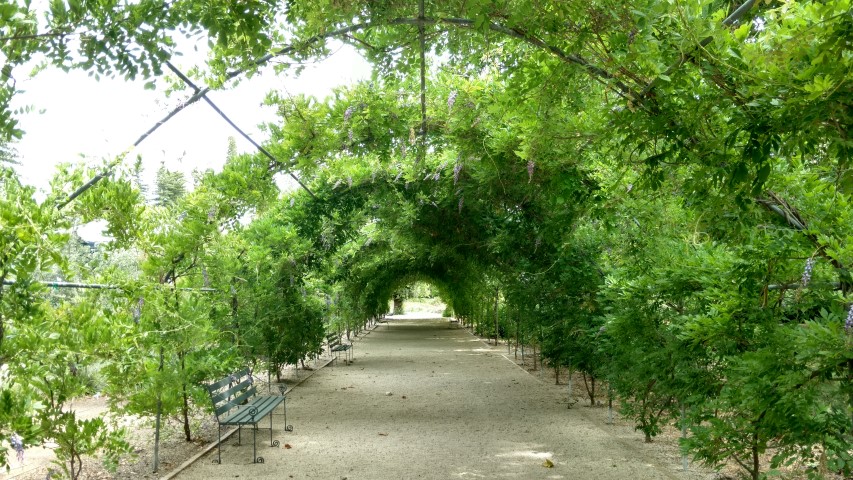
292,201
848,324
531,166
456,171
137,310
451,99
349,182
347,114
436,176
18,445
807,273
461,202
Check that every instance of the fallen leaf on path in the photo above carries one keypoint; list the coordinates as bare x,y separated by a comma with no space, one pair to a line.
287,446
404,397
548,464
383,434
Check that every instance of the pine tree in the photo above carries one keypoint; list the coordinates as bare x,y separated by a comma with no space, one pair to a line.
171,185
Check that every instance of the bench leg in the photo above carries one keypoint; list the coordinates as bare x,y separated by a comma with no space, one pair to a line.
219,445
287,428
255,457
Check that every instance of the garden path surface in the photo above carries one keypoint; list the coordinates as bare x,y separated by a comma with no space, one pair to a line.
457,409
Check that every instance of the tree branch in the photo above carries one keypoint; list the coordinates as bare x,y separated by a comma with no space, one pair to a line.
261,149
596,72
791,216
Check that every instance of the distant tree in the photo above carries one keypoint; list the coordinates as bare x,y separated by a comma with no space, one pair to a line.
8,154
232,149
170,186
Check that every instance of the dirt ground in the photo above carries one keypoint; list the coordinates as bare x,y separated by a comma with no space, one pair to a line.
426,399
423,399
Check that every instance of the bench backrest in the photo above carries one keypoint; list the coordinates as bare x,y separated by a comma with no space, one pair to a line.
231,391
333,339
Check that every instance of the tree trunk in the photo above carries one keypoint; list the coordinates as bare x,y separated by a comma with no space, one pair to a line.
157,417
535,357
590,388
185,408
517,328
234,308
398,305
497,314
609,406
756,461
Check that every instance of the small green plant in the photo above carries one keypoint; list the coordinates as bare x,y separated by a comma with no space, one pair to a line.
77,437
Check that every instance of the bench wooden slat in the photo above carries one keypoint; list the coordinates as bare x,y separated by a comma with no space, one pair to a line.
238,401
243,416
225,381
225,394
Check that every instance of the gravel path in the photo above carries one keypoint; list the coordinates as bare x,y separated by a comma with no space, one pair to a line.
425,399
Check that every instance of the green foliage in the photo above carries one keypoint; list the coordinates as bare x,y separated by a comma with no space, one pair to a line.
635,187
170,186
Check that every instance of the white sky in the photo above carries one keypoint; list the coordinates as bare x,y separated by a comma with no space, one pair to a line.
100,119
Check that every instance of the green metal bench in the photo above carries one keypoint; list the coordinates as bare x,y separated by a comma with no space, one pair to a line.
336,346
236,401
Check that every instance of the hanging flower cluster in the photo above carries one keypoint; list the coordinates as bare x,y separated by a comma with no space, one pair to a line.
456,171
451,99
848,324
807,273
531,166
18,445
137,310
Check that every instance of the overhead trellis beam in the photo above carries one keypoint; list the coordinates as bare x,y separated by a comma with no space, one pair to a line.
596,72
793,286
215,108
100,286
